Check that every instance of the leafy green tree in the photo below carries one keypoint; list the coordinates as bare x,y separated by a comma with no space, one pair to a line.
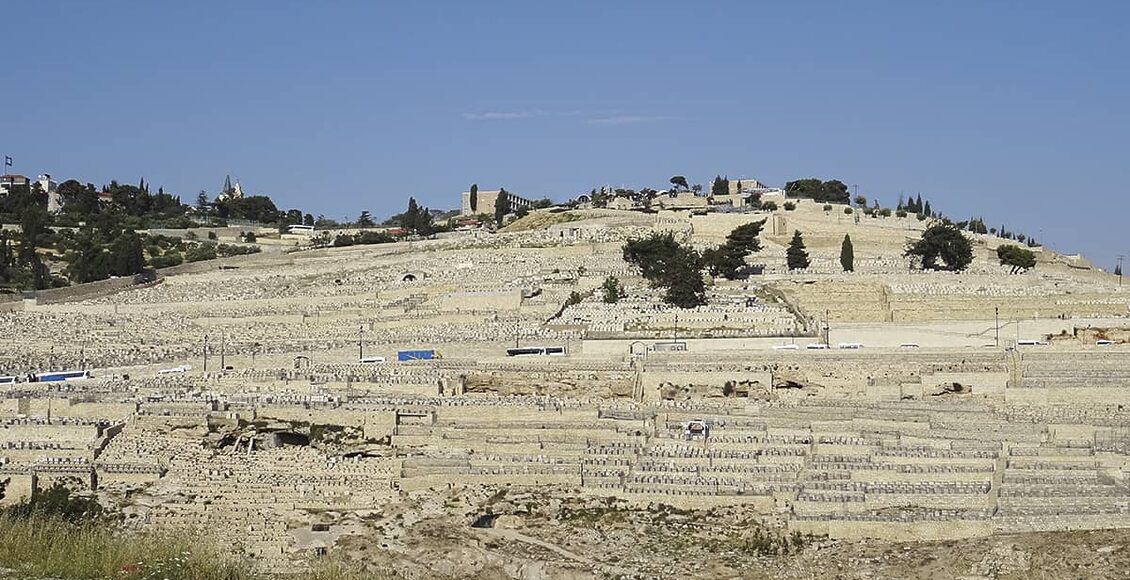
832,191
847,254
366,221
942,247
728,260
612,290
795,254
308,220
1019,259
258,208
686,288
678,181
665,263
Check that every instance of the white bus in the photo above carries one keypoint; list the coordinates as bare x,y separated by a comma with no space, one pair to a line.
300,229
850,345
1030,342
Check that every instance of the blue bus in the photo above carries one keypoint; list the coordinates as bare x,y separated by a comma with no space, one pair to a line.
57,376
8,380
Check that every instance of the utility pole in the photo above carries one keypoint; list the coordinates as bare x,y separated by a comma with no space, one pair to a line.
828,327
205,353
361,344
997,317
1120,257
223,351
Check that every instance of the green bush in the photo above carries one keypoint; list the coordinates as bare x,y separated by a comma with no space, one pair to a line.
847,211
769,206
827,207
168,260
789,206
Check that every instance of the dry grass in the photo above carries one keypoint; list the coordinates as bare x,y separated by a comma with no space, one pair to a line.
43,546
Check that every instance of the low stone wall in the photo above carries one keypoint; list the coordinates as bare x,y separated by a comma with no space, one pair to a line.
89,291
11,302
234,261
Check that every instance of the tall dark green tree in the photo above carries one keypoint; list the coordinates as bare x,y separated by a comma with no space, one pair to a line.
612,290
847,255
720,186
942,247
474,198
365,220
795,254
126,255
501,206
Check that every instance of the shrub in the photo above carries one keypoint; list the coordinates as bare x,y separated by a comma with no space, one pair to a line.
900,213
789,206
847,211
827,207
885,212
211,235
769,206
168,260
921,217
200,252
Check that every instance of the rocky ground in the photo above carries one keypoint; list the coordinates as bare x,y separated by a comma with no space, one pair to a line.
501,533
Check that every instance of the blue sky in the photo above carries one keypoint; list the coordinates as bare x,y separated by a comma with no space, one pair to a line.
1011,110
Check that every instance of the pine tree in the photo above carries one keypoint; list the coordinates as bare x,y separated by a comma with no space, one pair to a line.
795,255
926,210
847,255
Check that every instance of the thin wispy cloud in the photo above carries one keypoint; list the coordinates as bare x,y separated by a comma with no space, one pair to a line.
498,115
627,119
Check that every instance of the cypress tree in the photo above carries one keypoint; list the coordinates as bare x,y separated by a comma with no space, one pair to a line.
847,255
795,255
474,198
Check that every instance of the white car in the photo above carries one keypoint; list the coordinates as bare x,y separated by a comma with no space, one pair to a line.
817,346
787,347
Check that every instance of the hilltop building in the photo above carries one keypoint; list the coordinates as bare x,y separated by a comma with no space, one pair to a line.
45,182
229,191
10,181
484,202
